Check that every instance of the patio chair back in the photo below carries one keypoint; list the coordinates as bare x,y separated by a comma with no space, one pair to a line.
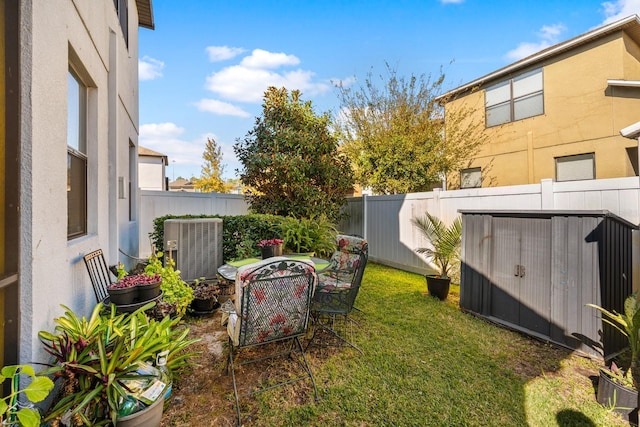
99,273
273,298
272,304
338,285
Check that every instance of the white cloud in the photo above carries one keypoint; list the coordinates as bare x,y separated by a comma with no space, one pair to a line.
185,156
548,35
615,10
451,1
221,108
164,138
149,68
222,53
240,83
260,58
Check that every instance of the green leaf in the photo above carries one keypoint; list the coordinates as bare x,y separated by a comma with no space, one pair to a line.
29,417
38,389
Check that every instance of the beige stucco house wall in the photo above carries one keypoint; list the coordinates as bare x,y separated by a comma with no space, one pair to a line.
591,90
88,35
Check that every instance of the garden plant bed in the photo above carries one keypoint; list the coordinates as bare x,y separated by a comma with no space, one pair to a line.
416,370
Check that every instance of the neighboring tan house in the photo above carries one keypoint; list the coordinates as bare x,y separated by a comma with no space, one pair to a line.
68,149
558,113
152,170
182,184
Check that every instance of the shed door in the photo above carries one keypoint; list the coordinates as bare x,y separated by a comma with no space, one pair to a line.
520,272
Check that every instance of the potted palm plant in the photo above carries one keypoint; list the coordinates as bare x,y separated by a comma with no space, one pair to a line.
444,251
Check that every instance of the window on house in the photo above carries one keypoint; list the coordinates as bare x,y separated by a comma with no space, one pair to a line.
515,99
76,157
471,178
122,9
574,168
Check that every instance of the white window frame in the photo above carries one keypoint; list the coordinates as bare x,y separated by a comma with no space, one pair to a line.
582,167
515,99
77,160
472,176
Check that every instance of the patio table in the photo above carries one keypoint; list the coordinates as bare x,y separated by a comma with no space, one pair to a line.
228,270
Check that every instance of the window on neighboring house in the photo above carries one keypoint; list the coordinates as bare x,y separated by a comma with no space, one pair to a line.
471,178
122,9
515,99
76,157
574,168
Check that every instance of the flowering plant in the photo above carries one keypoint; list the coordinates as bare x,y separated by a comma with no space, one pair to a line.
270,242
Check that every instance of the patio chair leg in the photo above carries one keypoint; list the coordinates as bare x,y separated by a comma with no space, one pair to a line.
307,368
235,387
331,329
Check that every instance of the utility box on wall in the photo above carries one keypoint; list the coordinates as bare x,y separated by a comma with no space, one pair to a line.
535,271
195,245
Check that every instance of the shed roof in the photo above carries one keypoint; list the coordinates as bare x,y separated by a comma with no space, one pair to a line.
630,25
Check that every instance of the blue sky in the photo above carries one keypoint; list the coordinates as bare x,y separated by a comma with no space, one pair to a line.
205,67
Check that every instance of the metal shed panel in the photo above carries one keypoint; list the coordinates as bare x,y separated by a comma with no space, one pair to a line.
570,259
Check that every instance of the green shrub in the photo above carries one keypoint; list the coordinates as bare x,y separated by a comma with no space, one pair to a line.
309,235
241,233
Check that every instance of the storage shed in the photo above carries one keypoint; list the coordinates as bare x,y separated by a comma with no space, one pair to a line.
535,271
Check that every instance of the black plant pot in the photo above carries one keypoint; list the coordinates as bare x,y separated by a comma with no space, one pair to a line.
623,400
203,305
438,287
271,251
149,291
123,296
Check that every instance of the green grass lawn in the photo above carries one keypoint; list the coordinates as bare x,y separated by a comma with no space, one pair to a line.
426,363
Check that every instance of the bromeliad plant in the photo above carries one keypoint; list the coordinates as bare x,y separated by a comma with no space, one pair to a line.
95,356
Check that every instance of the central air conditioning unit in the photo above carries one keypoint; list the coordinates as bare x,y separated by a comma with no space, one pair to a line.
195,245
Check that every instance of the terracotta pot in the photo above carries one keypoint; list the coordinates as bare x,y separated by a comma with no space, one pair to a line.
438,287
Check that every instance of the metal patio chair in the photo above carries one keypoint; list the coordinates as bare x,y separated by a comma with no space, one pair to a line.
100,275
272,303
337,290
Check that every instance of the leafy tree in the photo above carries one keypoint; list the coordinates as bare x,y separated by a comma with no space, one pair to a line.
394,134
291,161
211,177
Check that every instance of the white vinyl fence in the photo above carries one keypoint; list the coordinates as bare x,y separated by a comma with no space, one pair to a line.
154,204
385,221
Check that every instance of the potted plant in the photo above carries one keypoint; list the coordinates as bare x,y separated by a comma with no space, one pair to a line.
123,292
270,247
444,250
96,357
615,387
204,296
176,293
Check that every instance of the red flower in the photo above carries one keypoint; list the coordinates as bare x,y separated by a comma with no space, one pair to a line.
278,319
263,335
260,295
270,242
299,290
